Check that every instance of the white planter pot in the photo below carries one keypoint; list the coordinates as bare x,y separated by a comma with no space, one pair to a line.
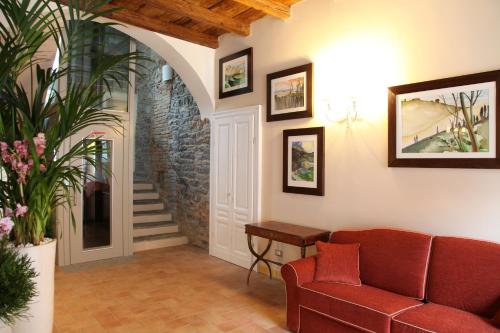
41,309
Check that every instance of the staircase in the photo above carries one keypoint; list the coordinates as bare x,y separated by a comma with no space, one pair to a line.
153,226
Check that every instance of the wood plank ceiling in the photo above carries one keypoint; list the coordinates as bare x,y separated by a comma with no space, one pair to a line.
197,21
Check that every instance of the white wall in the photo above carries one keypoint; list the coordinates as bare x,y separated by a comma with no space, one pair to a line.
359,48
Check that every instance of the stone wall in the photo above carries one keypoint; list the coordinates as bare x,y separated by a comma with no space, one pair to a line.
173,140
189,138
144,85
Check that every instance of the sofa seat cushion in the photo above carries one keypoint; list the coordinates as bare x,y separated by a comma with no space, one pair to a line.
440,318
364,307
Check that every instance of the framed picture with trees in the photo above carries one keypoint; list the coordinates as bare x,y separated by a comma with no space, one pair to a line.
290,93
446,123
304,161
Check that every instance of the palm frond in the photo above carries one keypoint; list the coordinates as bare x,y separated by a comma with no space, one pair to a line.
26,111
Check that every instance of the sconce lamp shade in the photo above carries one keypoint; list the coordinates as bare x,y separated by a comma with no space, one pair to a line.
166,73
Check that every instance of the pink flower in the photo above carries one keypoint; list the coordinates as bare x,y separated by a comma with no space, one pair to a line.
42,168
22,170
6,226
21,148
21,210
21,179
6,157
3,146
40,145
7,212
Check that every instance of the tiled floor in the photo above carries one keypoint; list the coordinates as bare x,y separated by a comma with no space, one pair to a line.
179,289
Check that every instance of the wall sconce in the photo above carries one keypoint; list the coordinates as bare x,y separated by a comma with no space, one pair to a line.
348,113
166,73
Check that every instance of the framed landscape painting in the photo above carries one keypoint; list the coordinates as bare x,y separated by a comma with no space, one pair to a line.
236,74
447,123
304,160
289,93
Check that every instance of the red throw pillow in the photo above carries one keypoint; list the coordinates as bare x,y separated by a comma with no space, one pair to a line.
337,263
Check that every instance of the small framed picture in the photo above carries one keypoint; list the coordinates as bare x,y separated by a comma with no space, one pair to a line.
304,161
447,123
290,93
236,74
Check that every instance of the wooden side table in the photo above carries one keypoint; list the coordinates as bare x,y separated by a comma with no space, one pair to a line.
281,232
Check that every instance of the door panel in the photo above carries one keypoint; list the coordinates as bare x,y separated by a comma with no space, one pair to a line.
243,193
223,232
98,209
223,154
223,187
97,197
242,167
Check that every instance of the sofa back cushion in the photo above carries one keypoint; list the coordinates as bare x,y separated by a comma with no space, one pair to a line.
393,260
465,274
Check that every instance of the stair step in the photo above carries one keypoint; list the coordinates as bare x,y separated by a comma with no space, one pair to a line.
148,205
152,216
146,195
143,186
155,228
158,241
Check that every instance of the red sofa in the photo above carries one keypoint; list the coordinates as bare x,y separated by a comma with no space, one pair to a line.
411,283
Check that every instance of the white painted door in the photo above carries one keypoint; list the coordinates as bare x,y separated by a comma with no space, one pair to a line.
235,182
99,208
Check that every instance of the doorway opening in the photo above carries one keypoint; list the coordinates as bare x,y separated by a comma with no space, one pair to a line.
171,160
158,192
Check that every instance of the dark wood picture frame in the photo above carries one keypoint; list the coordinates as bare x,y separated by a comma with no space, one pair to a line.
320,173
479,163
308,69
249,88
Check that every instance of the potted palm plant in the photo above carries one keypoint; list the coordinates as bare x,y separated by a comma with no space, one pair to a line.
36,120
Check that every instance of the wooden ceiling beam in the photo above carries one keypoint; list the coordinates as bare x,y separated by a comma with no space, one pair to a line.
170,29
270,7
202,14
166,28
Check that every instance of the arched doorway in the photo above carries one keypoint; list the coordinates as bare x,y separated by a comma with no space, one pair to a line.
153,196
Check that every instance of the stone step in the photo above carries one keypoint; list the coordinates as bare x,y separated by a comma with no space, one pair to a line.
148,205
143,186
146,195
158,241
155,228
152,216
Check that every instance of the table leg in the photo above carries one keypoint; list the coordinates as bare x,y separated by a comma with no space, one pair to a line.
303,252
259,257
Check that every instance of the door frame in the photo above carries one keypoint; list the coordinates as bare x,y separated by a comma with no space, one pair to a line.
63,220
256,111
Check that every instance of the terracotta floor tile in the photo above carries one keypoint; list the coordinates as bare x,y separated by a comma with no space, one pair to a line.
179,290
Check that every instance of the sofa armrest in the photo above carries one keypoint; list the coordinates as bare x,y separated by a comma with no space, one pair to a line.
299,272
295,274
